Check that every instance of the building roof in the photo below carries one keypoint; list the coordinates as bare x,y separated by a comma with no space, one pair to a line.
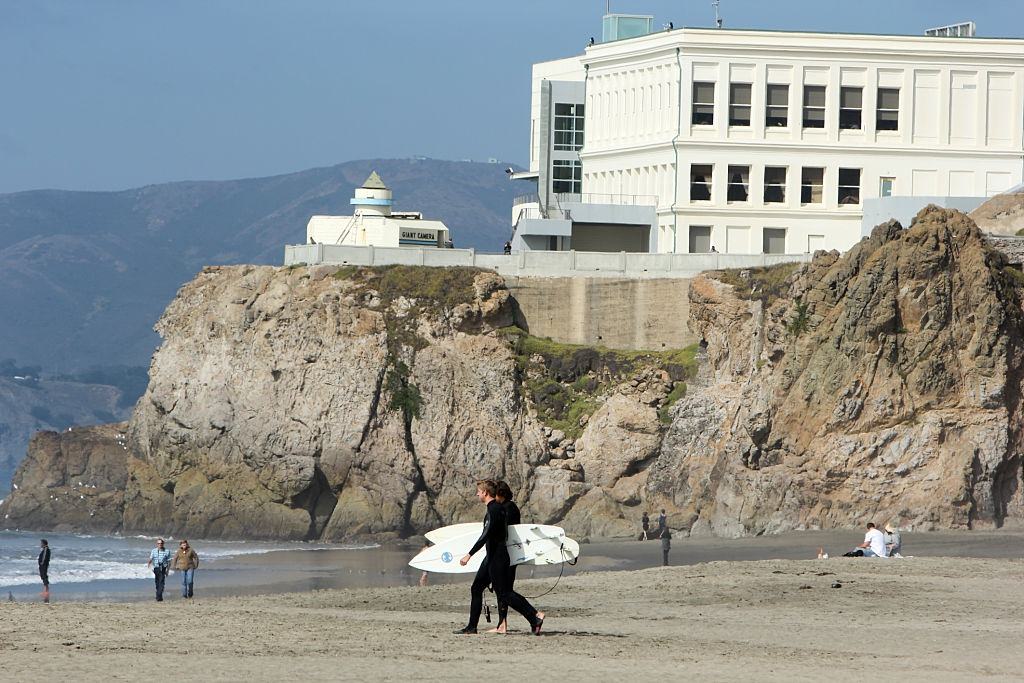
374,182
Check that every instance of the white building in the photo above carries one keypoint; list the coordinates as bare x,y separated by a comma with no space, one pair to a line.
762,141
373,223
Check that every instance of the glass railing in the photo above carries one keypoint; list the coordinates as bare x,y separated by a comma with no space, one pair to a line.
606,198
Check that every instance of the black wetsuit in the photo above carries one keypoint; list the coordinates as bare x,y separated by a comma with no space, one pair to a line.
44,565
493,537
512,517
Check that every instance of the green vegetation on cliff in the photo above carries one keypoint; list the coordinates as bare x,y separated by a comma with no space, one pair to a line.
565,382
767,284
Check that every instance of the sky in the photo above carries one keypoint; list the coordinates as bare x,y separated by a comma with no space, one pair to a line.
112,94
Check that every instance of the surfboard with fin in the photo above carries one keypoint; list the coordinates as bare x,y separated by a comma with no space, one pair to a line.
537,544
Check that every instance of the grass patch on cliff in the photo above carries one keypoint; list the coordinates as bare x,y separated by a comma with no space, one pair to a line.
565,382
767,284
1016,276
443,287
665,411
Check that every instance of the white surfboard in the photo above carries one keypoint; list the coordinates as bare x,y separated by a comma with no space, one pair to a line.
526,543
454,531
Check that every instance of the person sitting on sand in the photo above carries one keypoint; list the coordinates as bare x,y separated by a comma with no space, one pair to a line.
187,562
893,540
874,542
494,535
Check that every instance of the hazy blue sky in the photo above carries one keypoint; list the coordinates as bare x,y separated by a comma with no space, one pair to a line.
105,94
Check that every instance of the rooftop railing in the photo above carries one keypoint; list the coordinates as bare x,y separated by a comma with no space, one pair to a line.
607,198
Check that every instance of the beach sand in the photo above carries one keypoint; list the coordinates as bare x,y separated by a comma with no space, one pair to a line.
913,619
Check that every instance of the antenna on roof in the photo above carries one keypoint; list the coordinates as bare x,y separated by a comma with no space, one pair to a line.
718,17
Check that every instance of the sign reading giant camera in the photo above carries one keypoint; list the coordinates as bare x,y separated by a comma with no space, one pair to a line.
422,237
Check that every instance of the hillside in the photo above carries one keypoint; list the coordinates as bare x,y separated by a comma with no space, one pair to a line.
85,275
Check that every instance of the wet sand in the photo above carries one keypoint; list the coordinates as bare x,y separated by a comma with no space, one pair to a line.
927,618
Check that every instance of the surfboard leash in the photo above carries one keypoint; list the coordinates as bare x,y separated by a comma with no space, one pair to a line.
561,571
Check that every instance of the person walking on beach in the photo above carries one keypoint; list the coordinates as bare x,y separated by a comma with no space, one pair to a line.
503,494
666,545
494,535
44,565
645,523
187,562
160,561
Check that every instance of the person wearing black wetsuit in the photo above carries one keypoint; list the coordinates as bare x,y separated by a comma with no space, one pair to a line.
512,517
493,538
44,564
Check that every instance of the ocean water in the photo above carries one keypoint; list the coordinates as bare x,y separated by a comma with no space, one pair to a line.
83,566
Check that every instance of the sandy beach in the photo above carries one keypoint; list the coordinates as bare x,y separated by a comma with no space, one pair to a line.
927,618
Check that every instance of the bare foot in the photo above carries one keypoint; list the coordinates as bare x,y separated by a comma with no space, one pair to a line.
501,628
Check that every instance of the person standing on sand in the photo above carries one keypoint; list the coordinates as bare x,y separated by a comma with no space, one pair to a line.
662,522
160,561
187,562
666,545
494,534
645,523
503,494
44,564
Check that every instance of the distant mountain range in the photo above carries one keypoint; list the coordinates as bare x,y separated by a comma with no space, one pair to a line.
84,275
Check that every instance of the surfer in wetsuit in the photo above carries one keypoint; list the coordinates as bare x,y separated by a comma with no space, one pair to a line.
503,495
493,537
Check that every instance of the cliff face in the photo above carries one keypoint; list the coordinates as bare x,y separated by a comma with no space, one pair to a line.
885,386
326,403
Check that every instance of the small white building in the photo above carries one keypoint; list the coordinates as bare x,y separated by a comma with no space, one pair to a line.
762,141
373,223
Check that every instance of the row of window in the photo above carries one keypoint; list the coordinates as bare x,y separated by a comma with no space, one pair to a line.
773,191
566,177
776,115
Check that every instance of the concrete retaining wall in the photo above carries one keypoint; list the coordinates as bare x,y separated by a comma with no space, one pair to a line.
555,264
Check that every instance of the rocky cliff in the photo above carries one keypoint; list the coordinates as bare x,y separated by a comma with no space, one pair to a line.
329,403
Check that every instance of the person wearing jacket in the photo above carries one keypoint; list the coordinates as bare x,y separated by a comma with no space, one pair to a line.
187,562
44,564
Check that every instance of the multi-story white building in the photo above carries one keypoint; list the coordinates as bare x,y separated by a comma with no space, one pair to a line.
762,141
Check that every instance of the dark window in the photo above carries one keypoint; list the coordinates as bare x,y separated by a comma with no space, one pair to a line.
812,185
776,114
814,106
774,184
739,104
849,186
704,104
887,116
568,127
739,184
850,108
700,182
566,177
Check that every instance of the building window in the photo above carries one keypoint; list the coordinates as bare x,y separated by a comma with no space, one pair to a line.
812,185
700,239
776,114
814,106
700,182
568,127
849,186
885,186
774,184
739,104
704,104
850,108
739,184
773,241
887,116
566,177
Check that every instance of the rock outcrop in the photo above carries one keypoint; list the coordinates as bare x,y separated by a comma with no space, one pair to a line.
326,403
886,386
